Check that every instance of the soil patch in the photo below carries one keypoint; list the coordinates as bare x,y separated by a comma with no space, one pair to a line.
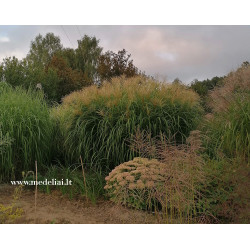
56,208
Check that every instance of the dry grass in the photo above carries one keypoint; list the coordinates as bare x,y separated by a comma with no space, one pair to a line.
135,87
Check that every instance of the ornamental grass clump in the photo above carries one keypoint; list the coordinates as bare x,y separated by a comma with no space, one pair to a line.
97,122
27,128
171,183
227,129
227,139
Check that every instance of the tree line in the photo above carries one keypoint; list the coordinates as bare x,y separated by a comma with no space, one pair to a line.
203,88
61,71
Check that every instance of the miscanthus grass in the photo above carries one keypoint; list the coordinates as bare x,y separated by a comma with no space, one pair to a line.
227,128
25,120
98,122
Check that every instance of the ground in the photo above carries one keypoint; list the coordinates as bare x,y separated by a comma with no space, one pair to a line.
56,208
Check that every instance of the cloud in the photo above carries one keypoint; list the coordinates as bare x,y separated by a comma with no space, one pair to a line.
4,39
167,56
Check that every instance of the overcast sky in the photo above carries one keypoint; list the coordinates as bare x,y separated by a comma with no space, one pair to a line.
186,52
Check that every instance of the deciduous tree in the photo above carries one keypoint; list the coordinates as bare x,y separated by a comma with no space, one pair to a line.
116,64
42,49
87,56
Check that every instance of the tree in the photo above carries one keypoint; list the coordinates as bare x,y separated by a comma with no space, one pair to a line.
112,65
63,70
69,55
13,71
245,64
87,55
202,88
67,79
177,81
42,49
1,72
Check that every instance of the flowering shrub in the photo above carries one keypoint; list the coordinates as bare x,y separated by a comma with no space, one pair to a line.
133,182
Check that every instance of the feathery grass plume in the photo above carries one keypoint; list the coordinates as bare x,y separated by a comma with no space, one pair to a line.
235,86
96,122
170,183
25,118
228,129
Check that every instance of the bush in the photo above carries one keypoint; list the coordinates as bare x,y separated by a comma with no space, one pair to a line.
98,122
171,184
25,119
133,183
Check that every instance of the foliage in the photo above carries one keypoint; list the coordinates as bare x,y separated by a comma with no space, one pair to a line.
1,72
202,88
87,55
97,122
42,49
114,65
226,189
68,80
26,119
69,55
13,71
